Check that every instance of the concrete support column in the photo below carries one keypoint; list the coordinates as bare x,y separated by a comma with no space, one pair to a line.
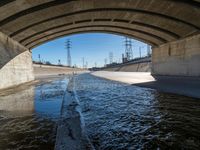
178,58
15,63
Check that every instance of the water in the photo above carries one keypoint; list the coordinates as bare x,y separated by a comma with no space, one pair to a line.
123,117
117,116
28,117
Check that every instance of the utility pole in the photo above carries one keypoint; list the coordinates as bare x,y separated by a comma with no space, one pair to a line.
148,50
68,47
59,62
111,57
140,52
83,60
128,49
105,61
39,58
86,64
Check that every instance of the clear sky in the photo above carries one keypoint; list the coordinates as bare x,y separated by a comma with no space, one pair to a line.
93,47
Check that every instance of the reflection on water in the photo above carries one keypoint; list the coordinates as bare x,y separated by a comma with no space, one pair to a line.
124,117
28,118
19,103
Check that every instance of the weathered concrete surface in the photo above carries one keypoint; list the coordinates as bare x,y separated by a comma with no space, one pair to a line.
155,21
140,65
9,49
188,86
70,131
19,70
179,58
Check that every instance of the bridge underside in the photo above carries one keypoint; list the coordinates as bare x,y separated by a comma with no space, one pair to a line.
156,22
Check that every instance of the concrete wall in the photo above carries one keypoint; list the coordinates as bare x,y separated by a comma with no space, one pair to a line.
139,67
179,58
9,49
47,70
16,71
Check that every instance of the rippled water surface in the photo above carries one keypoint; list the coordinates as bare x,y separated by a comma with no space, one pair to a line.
29,116
124,117
117,116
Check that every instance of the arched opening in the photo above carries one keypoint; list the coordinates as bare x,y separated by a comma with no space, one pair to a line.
120,109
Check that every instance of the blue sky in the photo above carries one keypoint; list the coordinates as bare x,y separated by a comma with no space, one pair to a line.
93,47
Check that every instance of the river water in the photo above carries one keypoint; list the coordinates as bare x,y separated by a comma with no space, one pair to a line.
124,117
117,116
29,115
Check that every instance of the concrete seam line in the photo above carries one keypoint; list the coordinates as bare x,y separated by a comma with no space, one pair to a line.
70,132
81,117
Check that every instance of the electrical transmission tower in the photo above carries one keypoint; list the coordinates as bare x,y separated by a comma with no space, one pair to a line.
111,57
68,47
128,49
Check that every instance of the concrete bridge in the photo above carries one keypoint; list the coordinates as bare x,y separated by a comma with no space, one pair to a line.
172,27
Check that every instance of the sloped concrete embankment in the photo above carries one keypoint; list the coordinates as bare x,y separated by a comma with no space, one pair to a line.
70,132
137,67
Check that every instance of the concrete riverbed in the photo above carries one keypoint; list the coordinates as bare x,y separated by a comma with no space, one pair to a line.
188,86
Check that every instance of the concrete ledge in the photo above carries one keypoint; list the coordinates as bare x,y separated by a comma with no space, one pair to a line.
70,131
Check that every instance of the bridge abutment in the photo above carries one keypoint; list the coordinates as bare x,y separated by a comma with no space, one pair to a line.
178,58
15,63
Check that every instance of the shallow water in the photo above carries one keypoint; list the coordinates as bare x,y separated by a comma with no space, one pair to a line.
117,116
28,118
124,117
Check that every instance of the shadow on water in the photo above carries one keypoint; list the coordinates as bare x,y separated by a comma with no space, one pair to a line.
28,118
120,116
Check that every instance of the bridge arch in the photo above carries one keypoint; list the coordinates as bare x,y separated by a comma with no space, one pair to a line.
164,24
154,21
